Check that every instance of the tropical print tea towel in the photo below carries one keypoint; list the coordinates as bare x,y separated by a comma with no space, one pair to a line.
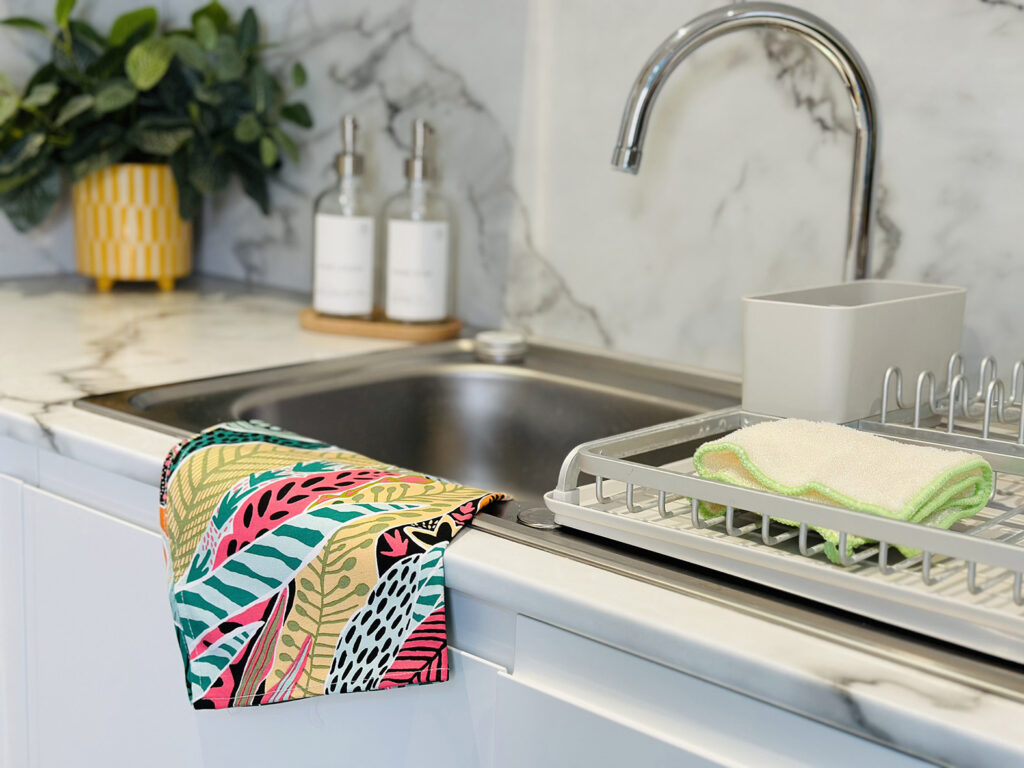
299,569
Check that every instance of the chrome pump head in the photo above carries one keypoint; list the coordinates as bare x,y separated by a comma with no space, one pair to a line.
417,165
350,162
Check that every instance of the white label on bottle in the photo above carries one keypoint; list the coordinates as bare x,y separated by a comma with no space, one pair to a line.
417,271
343,268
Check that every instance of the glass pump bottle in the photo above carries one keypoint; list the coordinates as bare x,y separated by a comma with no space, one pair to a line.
419,264
343,234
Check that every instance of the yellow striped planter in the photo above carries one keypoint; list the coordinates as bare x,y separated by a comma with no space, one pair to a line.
127,226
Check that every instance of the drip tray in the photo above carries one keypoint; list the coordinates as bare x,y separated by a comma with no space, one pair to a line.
964,588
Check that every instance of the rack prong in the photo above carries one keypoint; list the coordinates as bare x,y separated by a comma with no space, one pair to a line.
661,505
921,379
766,536
731,529
1017,384
986,374
890,373
972,575
804,549
994,398
630,506
847,560
959,385
953,369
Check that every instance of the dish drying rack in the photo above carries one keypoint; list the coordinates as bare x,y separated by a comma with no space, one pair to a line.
966,585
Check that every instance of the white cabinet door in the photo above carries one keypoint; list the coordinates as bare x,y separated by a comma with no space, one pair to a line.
13,724
445,725
105,683
575,702
540,729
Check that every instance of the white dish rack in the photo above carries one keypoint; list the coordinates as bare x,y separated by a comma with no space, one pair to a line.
964,587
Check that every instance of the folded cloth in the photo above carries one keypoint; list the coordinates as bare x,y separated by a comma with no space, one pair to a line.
299,569
848,468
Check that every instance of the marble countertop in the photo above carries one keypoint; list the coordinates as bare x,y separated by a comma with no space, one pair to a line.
61,341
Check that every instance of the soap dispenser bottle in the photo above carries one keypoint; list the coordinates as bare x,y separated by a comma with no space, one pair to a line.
419,264
343,234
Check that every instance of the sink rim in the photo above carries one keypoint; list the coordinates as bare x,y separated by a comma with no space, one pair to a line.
454,370
139,405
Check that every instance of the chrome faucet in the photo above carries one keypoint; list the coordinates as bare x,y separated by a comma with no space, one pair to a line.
823,37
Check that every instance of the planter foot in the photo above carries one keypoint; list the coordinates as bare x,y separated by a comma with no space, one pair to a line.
165,284
104,284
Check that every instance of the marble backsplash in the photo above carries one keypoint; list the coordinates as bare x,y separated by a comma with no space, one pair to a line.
746,172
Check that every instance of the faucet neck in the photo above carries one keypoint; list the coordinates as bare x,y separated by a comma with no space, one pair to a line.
824,38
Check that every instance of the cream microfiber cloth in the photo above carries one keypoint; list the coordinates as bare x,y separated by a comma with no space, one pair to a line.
844,467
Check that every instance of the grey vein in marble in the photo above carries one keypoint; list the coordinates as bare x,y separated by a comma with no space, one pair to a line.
1017,6
379,68
79,343
817,89
551,292
888,235
737,187
950,169
813,87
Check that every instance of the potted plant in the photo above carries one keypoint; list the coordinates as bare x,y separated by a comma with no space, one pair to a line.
143,123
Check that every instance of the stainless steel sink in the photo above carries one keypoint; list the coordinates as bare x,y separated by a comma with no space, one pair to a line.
440,410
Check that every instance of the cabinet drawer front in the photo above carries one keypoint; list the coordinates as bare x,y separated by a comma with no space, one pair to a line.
538,728
570,696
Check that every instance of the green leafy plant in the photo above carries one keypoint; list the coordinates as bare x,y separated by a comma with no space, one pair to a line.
197,98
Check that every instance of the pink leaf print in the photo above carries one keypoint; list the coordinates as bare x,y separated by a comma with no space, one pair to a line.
423,657
464,513
397,546
253,613
270,505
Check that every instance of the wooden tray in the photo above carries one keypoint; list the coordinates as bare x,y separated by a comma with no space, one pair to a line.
312,320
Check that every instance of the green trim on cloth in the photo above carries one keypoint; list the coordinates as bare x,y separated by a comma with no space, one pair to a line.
957,493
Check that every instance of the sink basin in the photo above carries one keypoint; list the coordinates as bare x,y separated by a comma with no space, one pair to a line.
439,410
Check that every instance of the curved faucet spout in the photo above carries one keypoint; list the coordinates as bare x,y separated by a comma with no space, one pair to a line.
824,38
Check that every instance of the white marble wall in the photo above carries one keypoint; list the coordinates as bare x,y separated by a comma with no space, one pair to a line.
457,63
745,178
